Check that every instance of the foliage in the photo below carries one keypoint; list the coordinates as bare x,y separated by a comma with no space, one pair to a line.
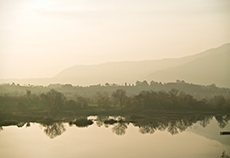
119,97
52,101
54,129
72,92
21,107
82,102
71,104
103,102
224,155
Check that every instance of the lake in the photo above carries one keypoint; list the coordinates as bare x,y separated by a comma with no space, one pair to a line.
174,139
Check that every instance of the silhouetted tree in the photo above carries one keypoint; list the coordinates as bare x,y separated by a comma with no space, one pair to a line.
103,102
218,101
119,96
138,83
70,104
145,83
28,93
153,83
52,101
82,102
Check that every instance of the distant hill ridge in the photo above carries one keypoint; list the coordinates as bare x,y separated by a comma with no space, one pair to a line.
211,66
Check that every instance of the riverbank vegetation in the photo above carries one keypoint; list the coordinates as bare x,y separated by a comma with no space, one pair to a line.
71,91
53,104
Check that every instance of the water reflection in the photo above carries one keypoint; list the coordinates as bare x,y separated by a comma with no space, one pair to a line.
146,125
119,128
100,121
146,129
206,121
28,124
21,124
173,125
54,130
222,120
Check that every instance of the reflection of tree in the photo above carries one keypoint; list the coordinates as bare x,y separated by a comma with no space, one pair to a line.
177,124
205,121
99,123
21,124
162,126
119,128
28,124
183,124
146,129
149,127
224,155
172,127
222,120
100,120
54,130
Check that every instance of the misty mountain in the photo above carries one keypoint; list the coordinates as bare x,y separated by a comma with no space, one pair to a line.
114,72
212,66
209,67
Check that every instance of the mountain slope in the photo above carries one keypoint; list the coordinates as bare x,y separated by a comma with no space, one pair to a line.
115,72
210,67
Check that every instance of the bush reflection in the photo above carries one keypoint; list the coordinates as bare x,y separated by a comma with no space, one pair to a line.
54,130
173,125
119,125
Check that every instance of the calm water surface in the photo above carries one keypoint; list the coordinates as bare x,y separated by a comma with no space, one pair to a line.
113,141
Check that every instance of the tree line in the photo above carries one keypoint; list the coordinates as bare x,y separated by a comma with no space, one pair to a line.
71,91
53,102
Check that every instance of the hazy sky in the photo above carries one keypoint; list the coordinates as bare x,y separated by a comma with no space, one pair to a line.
39,38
